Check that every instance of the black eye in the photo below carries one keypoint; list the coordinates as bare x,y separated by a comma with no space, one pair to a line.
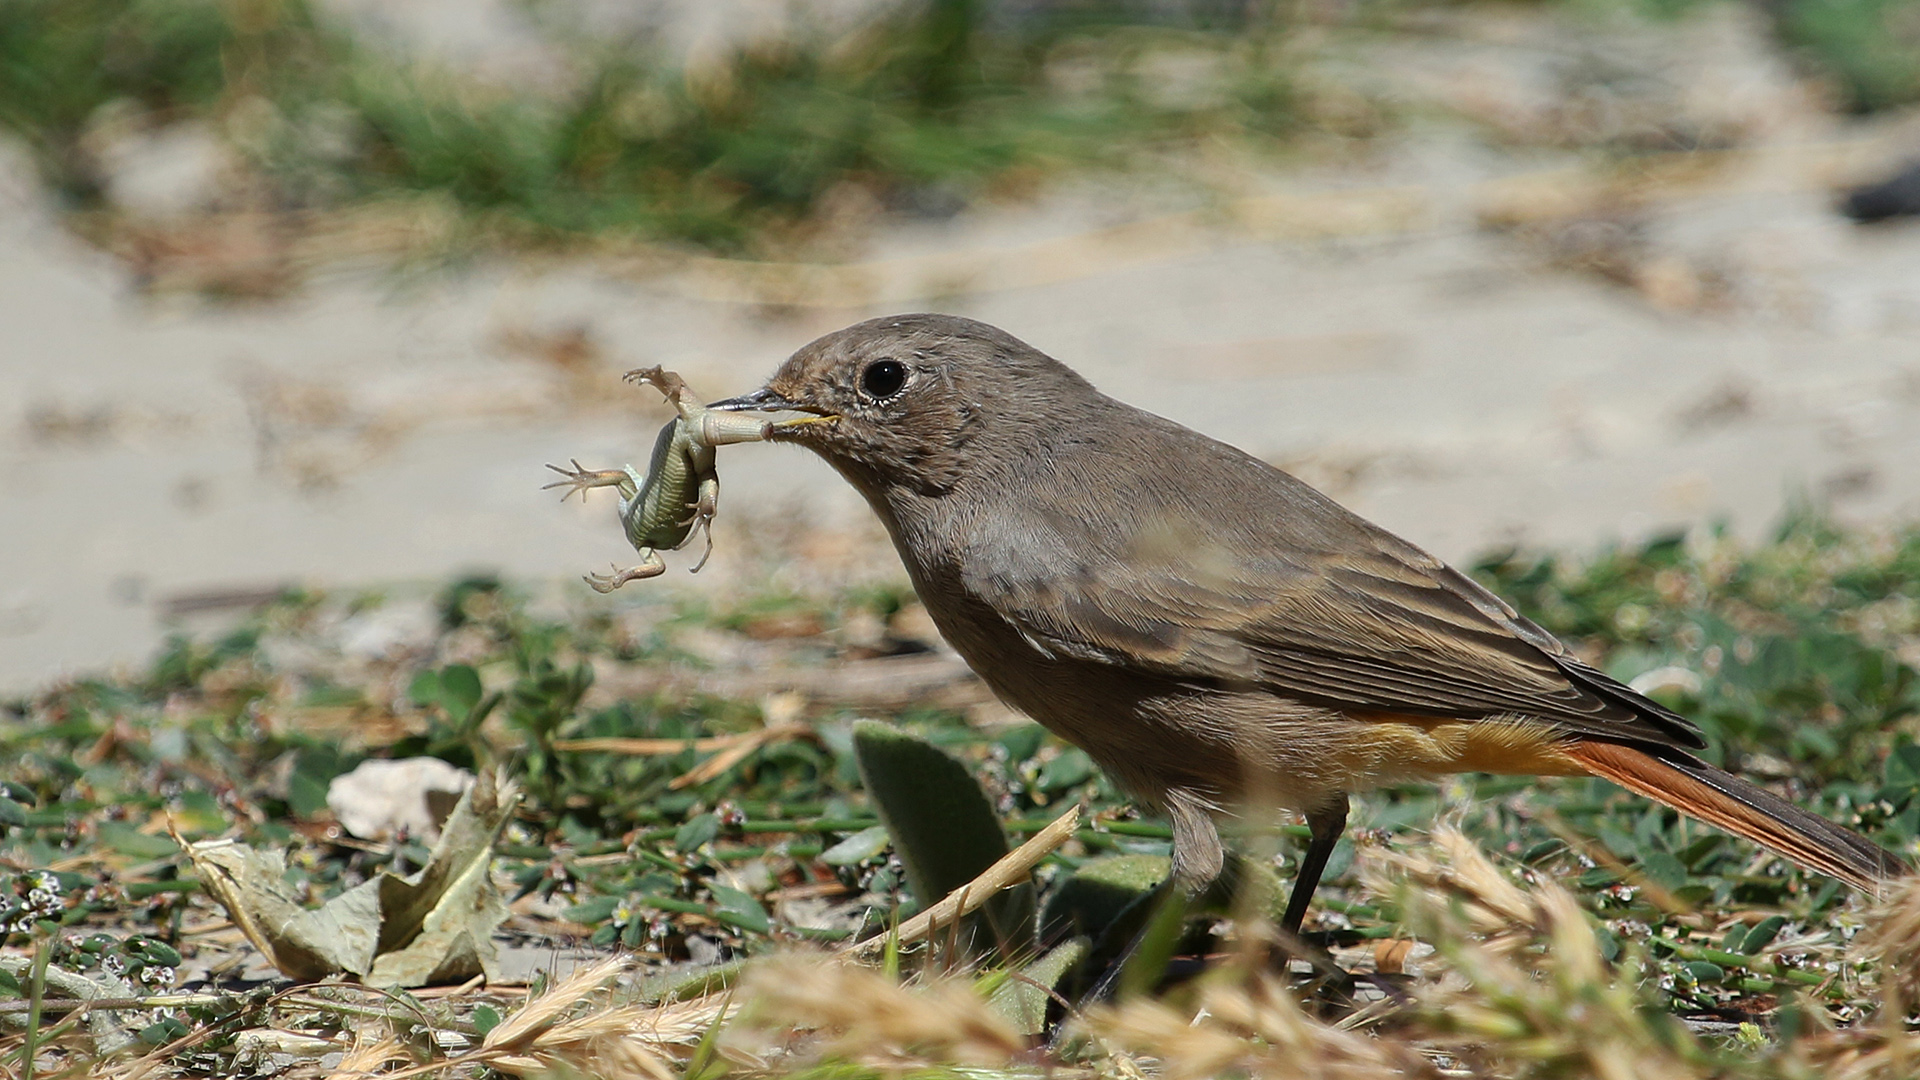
883,378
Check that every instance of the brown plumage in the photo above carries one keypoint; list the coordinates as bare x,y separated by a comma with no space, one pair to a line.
1210,629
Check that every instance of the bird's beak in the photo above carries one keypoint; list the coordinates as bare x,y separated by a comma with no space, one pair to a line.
766,399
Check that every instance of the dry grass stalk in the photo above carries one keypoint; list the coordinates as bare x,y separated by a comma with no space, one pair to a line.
862,1015
617,1042
1884,1049
1893,938
735,754
647,747
1492,904
1013,868
1252,1027
1528,990
370,1055
575,1029
542,1013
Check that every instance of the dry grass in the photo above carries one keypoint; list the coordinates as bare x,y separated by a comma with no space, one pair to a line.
808,1008
581,1025
1517,986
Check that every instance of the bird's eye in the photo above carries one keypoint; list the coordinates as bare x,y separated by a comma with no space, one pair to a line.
883,379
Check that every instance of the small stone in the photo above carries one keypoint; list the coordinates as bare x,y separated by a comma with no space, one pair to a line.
380,798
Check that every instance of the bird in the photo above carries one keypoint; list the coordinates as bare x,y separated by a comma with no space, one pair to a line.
1212,631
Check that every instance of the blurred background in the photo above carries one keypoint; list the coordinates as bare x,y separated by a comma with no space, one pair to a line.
304,294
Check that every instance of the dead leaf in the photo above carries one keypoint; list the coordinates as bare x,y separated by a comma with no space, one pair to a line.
435,926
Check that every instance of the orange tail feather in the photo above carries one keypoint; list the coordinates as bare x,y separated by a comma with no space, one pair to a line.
1719,798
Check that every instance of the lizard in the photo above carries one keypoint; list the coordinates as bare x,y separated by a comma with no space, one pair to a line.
681,490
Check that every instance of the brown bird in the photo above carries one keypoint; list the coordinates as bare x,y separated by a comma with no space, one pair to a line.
1209,628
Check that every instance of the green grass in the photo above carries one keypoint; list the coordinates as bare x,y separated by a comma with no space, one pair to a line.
1795,645
1868,51
927,106
1870,48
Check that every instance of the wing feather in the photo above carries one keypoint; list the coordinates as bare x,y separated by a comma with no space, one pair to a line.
1295,595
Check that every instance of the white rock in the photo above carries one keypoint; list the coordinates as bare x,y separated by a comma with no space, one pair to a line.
389,630
173,171
379,798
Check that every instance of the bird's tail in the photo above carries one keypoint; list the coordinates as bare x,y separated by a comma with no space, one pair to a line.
1719,798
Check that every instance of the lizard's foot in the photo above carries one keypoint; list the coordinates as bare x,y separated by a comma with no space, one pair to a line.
702,520
606,583
705,526
667,382
581,479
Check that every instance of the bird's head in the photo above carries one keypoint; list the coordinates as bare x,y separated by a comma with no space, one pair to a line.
918,401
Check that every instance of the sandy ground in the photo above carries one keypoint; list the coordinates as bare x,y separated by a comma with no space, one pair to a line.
1704,347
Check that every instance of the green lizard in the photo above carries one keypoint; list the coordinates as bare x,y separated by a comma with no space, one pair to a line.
678,496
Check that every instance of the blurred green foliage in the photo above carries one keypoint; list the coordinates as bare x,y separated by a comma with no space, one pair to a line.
926,105
932,103
1870,48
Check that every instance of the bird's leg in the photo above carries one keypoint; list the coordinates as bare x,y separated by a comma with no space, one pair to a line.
581,479
653,566
1326,824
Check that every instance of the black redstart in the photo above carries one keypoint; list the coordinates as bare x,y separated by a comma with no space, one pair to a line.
1209,628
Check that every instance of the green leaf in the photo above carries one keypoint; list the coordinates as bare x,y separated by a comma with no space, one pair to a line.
424,689
1095,896
485,1019
696,833
1694,894
1022,742
1024,1000
165,1031
858,848
156,953
596,910
1663,870
314,768
1903,766
942,825
127,840
746,911
1071,767
12,813
1609,945
1762,935
460,690
1704,971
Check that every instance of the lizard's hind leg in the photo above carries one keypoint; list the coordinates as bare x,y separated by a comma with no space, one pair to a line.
702,519
654,566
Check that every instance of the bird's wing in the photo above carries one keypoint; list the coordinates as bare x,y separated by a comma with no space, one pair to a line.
1314,604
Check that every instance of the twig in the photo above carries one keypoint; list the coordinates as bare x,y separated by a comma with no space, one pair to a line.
106,1004
36,997
733,755
646,747
1012,869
